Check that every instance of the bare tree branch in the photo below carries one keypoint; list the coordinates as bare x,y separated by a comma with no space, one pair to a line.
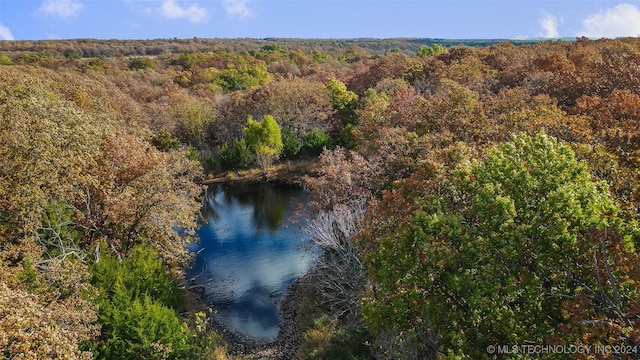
341,271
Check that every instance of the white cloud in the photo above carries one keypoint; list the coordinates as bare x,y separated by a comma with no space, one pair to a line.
239,8
549,24
194,13
620,21
61,8
5,33
137,5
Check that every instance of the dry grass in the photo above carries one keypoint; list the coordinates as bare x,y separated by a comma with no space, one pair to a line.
286,171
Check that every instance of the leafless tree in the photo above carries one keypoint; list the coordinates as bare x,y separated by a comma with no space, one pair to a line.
340,273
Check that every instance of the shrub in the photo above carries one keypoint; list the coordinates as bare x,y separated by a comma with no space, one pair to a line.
28,275
137,301
348,137
57,232
164,141
329,339
240,155
95,63
4,60
291,143
140,328
142,63
315,141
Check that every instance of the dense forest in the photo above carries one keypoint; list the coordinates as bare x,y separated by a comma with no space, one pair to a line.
473,199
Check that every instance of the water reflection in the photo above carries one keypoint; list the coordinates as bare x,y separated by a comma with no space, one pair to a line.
250,252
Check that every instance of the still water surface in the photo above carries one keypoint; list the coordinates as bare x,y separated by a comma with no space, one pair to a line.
251,249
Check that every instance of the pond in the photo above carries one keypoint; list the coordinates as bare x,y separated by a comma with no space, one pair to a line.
251,249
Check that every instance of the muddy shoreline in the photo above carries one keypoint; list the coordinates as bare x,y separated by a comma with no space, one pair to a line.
288,173
287,344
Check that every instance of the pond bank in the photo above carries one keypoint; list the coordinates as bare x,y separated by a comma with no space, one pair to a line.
289,173
287,344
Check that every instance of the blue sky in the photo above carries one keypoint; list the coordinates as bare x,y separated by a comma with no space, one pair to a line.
453,19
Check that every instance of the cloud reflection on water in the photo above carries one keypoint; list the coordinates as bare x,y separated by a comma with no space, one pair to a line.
251,253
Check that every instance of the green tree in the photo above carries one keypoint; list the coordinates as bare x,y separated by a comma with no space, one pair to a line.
142,63
291,143
239,155
137,308
490,262
315,141
243,78
192,120
265,139
344,101
426,51
341,98
95,64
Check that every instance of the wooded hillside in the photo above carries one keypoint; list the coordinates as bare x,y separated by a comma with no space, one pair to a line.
470,196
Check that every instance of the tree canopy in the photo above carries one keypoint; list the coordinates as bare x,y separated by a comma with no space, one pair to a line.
490,260
265,139
499,184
